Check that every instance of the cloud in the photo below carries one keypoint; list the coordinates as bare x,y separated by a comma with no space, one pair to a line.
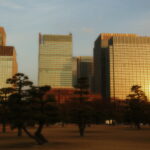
87,30
10,5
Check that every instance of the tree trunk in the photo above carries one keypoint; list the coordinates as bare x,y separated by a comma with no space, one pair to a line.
63,124
27,132
138,126
38,137
19,131
81,129
4,127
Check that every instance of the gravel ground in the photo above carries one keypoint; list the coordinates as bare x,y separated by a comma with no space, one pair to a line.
97,137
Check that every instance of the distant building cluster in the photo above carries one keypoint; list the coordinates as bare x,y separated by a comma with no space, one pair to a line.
8,61
119,61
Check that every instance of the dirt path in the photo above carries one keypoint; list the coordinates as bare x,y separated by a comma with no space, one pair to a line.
96,138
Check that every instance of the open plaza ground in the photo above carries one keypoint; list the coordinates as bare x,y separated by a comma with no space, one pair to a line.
97,137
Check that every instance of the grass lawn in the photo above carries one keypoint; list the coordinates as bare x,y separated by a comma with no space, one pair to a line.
97,137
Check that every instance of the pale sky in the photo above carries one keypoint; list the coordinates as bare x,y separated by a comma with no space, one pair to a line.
85,19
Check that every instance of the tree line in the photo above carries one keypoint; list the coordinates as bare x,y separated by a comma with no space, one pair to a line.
25,106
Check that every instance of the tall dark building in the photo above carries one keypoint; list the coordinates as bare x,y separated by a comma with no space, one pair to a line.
121,61
83,67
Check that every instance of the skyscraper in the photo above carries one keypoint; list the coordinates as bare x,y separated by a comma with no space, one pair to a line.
121,61
74,70
83,67
2,37
8,62
55,60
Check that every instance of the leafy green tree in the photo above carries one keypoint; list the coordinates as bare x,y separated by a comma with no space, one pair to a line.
29,106
33,108
17,112
20,82
100,110
3,115
80,111
146,109
4,93
82,88
138,93
136,102
44,111
82,115
64,111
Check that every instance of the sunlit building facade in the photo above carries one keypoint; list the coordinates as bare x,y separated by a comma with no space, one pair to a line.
8,64
121,61
2,37
8,61
55,60
74,71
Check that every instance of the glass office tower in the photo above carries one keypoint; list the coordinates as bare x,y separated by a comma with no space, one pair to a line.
55,61
121,61
83,67
8,61
8,64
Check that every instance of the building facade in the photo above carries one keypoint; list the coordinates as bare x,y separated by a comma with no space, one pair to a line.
55,60
83,68
63,95
74,71
8,61
121,61
2,37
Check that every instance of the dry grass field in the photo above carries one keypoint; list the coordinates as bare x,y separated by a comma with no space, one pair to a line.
96,138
